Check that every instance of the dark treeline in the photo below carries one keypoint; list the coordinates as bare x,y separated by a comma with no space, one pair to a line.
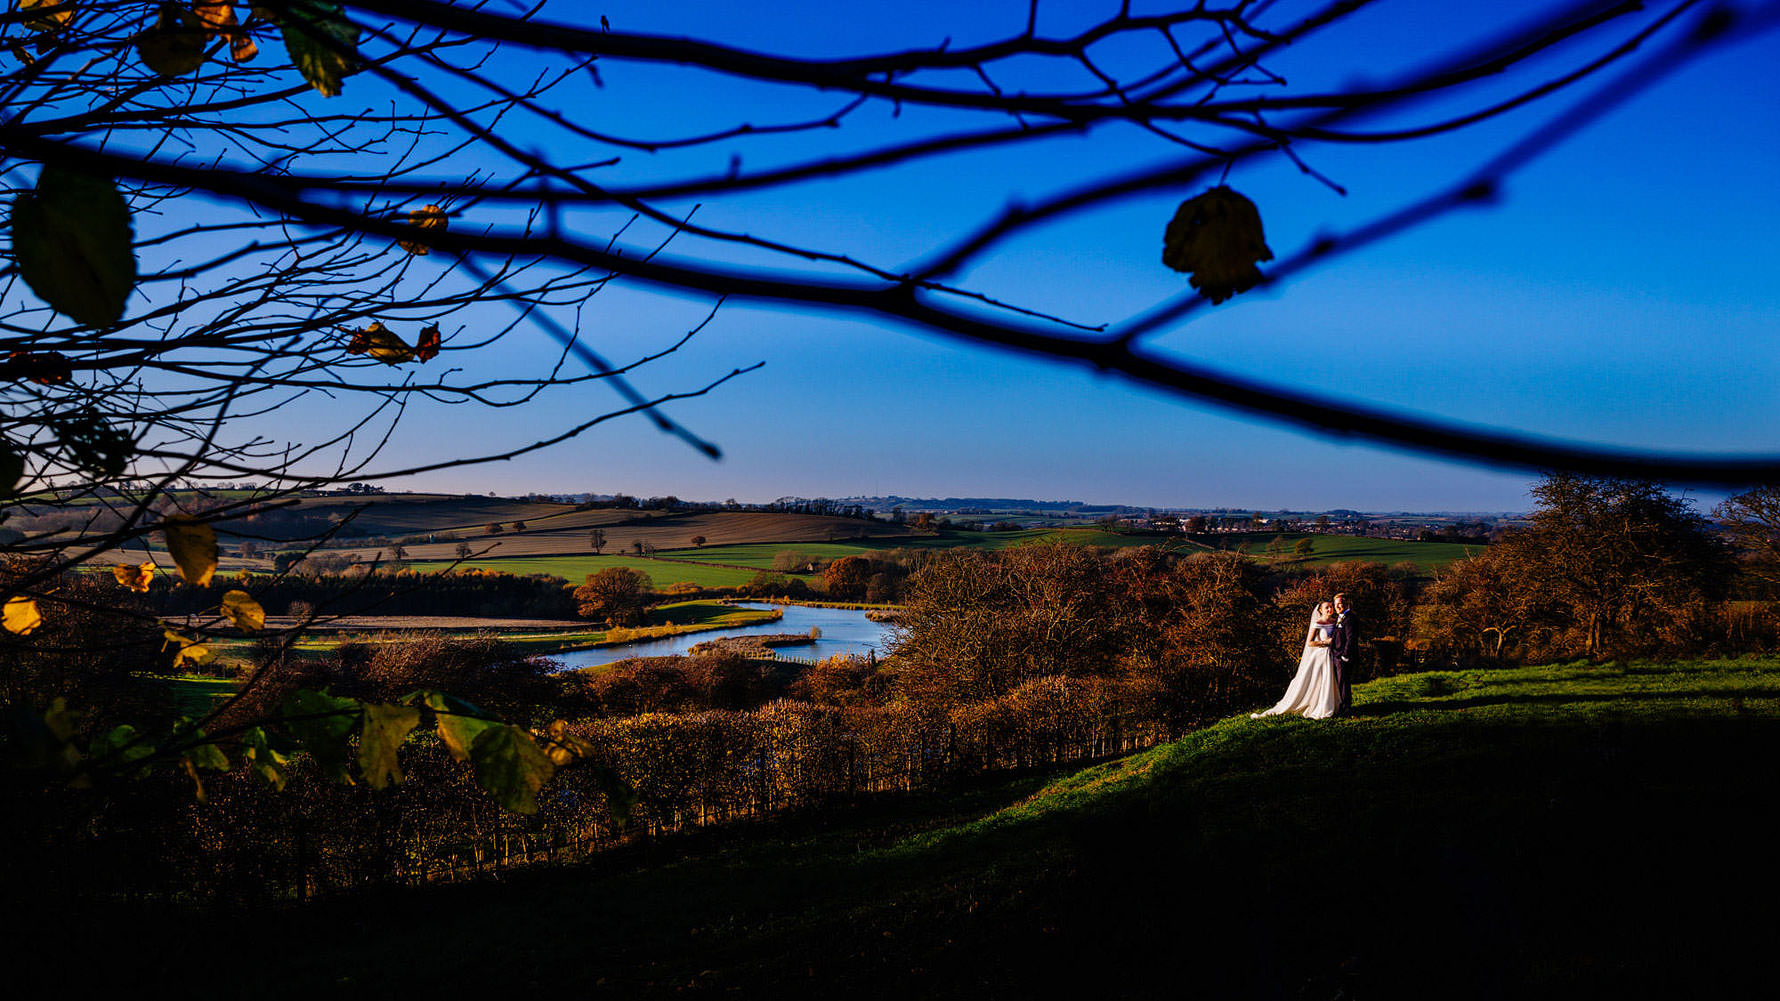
784,505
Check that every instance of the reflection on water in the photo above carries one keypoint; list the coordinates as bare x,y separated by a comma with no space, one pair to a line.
844,631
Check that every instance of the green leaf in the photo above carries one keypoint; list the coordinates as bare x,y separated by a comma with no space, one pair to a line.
511,766
119,746
324,724
209,756
264,760
321,44
175,45
72,239
459,722
203,755
382,731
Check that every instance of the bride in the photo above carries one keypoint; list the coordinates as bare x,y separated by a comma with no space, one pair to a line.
1313,691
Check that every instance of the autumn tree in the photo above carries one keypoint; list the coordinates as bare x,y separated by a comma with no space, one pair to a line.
596,539
615,596
1480,609
977,624
1195,632
847,577
1614,559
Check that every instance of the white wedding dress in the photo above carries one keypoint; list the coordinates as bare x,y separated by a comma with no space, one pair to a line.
1313,692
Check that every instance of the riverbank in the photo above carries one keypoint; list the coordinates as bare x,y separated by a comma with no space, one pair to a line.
542,637
851,606
838,632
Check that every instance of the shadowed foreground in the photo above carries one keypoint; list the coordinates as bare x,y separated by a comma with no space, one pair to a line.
1583,830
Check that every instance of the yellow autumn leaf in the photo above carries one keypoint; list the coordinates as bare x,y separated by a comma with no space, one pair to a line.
1216,237
220,19
425,217
190,651
243,611
136,578
52,14
193,545
380,343
21,616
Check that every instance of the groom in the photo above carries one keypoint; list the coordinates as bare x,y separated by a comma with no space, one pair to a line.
1342,649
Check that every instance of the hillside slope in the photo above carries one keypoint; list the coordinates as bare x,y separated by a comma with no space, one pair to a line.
1589,831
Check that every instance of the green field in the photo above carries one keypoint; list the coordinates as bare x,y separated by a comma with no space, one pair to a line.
197,694
576,568
1332,549
1577,830
759,555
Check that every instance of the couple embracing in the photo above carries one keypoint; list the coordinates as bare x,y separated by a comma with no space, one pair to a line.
1323,686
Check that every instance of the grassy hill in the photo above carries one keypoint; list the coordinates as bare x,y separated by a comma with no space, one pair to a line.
1577,830
1328,550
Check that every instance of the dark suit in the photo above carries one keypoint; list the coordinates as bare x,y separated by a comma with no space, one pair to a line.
1344,652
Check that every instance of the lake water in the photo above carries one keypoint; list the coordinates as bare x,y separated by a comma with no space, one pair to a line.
844,631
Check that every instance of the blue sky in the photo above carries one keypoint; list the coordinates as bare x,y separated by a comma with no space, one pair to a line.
1621,293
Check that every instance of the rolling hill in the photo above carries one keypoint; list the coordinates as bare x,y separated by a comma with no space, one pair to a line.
1576,830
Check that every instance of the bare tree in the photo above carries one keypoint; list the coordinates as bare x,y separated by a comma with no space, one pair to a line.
1752,522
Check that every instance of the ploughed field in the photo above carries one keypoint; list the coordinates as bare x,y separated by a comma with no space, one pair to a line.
568,533
1577,830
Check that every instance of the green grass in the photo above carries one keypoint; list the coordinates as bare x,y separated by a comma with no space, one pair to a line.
1329,549
196,694
1575,830
576,568
759,555
1332,549
709,614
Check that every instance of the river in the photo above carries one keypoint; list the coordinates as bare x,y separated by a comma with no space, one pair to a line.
844,631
